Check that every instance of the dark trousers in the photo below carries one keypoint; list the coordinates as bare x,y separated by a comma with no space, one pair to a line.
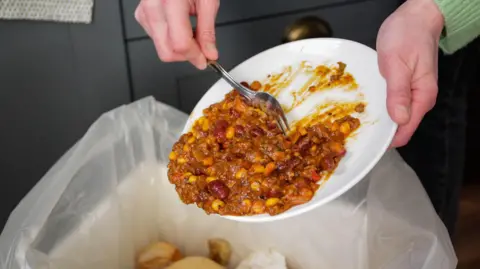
437,149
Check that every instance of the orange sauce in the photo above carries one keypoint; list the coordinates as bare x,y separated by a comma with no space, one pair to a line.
326,114
320,78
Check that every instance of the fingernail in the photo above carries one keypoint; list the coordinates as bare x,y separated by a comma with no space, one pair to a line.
402,113
211,47
201,64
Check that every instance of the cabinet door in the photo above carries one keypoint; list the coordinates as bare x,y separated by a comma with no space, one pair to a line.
181,85
56,79
234,11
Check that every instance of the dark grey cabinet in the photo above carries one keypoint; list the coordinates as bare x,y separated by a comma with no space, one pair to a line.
56,79
236,11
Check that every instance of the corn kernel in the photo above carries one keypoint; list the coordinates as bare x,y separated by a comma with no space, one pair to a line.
345,128
172,156
296,154
240,106
306,193
334,126
257,158
258,207
255,186
191,140
192,179
269,168
208,161
209,171
216,204
258,168
181,160
278,155
205,125
240,173
267,87
186,148
210,179
313,149
209,140
201,120
187,174
336,147
271,202
261,113
295,137
247,204
302,131
230,132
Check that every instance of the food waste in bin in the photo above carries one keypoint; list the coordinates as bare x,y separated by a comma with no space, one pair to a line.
163,255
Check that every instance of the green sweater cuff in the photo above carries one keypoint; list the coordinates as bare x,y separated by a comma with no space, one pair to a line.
462,23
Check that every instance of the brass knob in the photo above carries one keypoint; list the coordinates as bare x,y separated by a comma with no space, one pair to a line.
307,27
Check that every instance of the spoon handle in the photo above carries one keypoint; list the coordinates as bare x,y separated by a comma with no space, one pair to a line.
225,75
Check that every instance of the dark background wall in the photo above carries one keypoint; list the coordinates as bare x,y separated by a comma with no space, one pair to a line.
56,79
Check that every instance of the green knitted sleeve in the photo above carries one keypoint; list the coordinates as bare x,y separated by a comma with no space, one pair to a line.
462,23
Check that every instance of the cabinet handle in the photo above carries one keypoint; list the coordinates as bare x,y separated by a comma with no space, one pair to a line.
307,27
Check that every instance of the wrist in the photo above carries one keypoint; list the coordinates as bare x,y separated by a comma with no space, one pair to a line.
430,13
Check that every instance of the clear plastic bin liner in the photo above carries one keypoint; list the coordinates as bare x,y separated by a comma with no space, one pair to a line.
109,196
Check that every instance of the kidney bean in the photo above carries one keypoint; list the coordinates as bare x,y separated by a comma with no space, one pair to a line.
274,192
272,125
294,162
239,130
220,129
303,144
239,155
234,113
218,189
257,131
245,84
198,169
320,130
327,163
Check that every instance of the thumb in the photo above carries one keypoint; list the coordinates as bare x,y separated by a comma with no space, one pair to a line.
399,92
205,33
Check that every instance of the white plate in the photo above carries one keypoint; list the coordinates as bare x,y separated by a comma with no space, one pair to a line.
364,150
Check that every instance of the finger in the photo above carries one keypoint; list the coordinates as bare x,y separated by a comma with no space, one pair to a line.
205,33
398,77
158,30
141,19
423,100
181,34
